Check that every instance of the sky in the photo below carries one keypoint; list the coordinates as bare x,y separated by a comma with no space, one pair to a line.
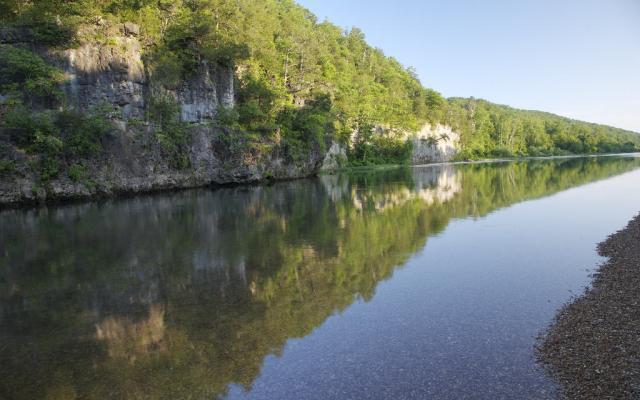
576,58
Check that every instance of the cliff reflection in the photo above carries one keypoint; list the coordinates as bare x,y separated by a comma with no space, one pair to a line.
127,339
180,295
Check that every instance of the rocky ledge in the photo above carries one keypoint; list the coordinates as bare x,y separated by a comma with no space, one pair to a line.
133,162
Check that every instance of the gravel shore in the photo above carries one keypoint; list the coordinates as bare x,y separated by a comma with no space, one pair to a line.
593,346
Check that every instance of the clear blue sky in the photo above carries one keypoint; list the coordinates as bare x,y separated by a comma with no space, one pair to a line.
578,58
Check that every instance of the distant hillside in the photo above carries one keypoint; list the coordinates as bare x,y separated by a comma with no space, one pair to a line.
489,129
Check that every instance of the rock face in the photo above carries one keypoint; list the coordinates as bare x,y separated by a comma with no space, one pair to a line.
335,158
107,73
112,72
133,160
131,29
431,144
201,97
434,144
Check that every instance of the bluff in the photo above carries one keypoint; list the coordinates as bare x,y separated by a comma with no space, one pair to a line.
98,98
113,75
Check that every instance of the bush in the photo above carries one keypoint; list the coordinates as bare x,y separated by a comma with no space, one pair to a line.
77,172
629,147
7,167
56,137
539,152
163,109
256,105
172,133
22,71
49,148
82,134
307,128
380,149
228,117
225,54
167,70
502,152
52,34
23,126
467,154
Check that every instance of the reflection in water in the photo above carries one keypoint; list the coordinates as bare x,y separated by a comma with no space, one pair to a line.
181,295
126,339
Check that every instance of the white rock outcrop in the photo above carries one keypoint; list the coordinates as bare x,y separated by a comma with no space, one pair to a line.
335,158
434,143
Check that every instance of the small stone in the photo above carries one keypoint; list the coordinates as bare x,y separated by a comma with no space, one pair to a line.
131,29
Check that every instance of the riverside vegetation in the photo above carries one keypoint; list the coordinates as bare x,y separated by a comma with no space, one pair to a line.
298,85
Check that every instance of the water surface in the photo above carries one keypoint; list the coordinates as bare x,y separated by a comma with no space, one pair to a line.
406,283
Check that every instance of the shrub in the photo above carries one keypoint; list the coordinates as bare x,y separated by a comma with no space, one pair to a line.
77,172
379,149
307,128
167,70
56,136
22,71
23,126
49,148
225,54
7,167
51,33
539,151
172,133
228,117
82,133
502,152
256,105
163,109
467,154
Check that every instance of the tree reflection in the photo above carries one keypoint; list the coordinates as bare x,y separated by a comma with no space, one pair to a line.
180,295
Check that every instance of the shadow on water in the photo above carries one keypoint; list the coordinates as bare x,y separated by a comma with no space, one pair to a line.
180,295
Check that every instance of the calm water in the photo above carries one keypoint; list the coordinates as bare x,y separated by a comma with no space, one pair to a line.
429,282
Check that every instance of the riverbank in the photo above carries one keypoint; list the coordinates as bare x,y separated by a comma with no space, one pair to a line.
18,194
593,346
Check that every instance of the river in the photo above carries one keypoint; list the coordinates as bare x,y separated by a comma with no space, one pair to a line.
405,283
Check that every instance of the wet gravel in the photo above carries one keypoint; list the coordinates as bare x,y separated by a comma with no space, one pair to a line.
593,346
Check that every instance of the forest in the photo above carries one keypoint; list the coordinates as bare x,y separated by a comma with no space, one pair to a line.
306,82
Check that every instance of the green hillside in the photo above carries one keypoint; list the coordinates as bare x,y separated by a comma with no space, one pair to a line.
300,81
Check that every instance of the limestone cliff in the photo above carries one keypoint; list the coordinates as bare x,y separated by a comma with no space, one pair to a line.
110,67
335,158
434,143
113,72
431,144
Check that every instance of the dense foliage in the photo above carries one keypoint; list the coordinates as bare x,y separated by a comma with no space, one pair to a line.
25,73
301,82
33,116
370,148
59,138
